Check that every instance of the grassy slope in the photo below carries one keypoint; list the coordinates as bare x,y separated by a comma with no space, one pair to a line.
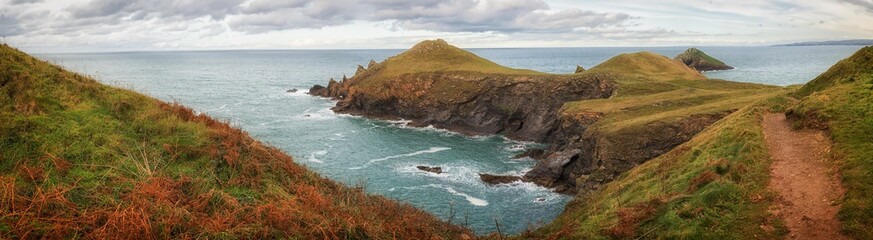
81,159
841,100
655,88
694,53
712,187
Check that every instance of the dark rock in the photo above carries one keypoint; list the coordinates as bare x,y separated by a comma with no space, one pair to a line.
319,90
596,158
552,171
293,90
519,107
436,170
372,64
536,154
498,179
580,69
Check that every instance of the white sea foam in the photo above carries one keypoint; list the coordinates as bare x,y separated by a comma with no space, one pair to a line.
312,157
298,93
472,200
431,150
320,114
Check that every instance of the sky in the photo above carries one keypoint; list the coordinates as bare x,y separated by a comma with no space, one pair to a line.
143,25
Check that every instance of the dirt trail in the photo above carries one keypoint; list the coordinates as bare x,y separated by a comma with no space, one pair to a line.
804,180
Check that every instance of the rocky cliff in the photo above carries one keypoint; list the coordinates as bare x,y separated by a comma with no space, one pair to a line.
471,95
699,60
599,122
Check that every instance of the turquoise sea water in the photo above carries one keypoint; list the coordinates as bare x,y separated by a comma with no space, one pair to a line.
248,88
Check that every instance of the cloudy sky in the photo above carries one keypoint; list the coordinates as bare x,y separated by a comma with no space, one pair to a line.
124,25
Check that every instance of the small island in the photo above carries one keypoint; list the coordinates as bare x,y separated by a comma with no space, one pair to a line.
700,61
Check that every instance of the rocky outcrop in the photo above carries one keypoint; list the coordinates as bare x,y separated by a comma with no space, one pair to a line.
579,69
498,179
519,106
699,60
534,153
436,170
596,157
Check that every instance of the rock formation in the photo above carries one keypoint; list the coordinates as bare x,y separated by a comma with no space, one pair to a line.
498,179
437,84
436,170
699,60
467,94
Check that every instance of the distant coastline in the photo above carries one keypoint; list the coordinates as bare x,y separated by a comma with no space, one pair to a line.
852,42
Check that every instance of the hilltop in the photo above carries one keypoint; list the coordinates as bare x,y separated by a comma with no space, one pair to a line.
700,61
84,160
641,101
648,65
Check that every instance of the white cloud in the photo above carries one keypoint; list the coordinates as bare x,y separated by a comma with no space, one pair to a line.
109,25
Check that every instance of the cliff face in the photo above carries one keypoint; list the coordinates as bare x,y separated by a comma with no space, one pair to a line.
594,157
520,105
699,60
600,122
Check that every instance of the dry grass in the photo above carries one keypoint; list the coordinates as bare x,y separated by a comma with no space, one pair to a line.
84,160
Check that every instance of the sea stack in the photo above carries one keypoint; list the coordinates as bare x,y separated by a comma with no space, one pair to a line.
700,61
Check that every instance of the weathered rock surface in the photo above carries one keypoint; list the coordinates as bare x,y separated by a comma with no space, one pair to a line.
598,157
498,179
699,60
536,154
436,170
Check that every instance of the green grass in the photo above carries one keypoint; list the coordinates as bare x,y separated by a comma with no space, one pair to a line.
648,66
79,159
641,101
711,187
693,54
841,100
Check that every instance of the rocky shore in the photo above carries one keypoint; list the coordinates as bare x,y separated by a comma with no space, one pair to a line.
452,89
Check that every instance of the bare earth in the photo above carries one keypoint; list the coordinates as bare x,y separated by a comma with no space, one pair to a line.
803,178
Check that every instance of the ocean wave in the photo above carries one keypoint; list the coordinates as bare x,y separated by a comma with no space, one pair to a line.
472,200
312,157
320,114
431,150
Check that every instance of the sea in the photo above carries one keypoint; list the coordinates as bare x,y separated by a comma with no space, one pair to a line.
249,88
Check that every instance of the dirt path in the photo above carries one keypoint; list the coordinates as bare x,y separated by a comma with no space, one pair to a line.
803,179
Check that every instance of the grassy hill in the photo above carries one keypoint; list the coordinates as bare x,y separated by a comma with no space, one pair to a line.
715,185
841,101
653,88
79,159
711,187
